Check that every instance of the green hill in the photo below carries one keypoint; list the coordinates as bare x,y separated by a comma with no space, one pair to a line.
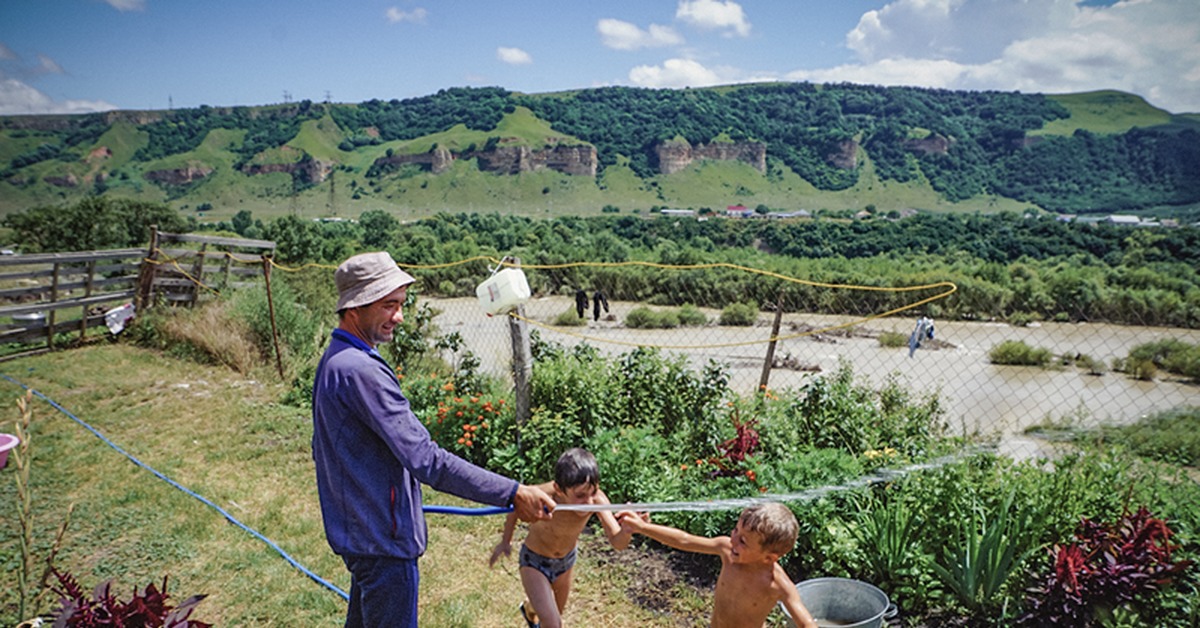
785,146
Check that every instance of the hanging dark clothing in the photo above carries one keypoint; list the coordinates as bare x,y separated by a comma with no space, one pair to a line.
599,300
581,302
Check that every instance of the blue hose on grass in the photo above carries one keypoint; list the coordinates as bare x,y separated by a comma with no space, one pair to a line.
449,510
206,501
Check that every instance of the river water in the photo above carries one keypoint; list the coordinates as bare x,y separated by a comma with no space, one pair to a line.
979,397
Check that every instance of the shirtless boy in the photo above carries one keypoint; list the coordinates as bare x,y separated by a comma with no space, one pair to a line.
751,580
547,556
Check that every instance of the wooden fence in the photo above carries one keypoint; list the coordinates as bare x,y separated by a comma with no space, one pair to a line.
54,296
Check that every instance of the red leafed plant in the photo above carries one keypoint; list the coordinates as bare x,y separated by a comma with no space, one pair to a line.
148,608
1106,567
743,444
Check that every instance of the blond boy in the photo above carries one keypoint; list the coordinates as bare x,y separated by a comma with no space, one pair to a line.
751,580
547,557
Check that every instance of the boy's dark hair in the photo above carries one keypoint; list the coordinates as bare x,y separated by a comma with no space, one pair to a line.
576,466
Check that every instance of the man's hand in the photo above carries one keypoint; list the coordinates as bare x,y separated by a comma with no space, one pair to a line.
532,504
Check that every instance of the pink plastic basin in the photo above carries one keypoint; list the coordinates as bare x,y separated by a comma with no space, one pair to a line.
7,442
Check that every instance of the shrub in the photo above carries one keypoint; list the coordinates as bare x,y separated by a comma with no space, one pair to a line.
892,340
642,317
569,318
739,314
1017,353
691,316
1173,355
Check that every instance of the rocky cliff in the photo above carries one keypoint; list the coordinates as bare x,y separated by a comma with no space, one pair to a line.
314,170
674,156
179,176
574,160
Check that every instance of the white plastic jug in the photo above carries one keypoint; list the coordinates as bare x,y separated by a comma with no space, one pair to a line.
503,291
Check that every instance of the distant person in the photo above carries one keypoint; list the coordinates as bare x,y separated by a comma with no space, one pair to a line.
751,580
581,302
599,300
372,454
547,557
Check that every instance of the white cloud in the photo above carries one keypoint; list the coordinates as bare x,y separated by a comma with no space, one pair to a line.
620,35
18,98
6,53
513,56
714,15
46,65
1148,47
674,73
127,5
416,16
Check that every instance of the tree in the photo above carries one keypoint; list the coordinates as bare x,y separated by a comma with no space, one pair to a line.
91,224
242,221
379,228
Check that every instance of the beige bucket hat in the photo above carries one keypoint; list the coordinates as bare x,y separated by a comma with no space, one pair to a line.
366,278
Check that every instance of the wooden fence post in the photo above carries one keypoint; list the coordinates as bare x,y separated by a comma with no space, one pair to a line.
266,261
769,362
146,274
53,313
198,274
87,292
522,364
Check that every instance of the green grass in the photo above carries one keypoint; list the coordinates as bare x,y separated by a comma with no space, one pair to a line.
223,436
1105,111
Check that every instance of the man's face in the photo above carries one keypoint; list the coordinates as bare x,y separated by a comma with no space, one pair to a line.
375,323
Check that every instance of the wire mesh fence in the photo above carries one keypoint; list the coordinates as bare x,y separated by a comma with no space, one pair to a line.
1077,385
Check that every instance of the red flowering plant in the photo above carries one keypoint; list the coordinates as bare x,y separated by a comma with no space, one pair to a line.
1105,568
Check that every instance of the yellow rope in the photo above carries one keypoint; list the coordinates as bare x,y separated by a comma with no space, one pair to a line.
950,288
946,284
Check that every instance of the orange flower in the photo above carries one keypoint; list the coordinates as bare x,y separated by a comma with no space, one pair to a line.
750,474
461,440
762,489
459,413
449,386
683,467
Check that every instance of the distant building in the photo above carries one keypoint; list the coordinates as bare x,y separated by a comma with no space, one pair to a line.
678,212
800,213
738,211
1127,221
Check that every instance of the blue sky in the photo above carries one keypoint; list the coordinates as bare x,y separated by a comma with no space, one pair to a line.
71,56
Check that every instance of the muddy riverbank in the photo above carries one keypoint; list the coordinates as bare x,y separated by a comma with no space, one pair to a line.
979,397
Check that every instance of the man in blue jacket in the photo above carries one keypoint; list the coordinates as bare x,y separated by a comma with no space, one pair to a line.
372,454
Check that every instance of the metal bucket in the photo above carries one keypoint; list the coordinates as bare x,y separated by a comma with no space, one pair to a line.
844,602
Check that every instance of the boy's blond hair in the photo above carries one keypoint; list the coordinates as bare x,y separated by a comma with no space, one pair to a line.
775,522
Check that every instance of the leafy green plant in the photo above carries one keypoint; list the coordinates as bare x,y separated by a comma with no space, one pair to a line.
983,556
148,607
888,532
892,340
739,315
569,318
1017,353
691,316
646,318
